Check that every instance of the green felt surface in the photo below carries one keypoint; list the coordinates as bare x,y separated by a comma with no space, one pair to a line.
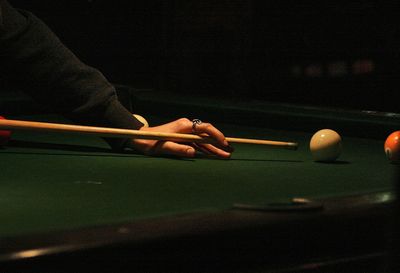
60,181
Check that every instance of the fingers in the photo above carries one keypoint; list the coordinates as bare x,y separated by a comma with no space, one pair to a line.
213,150
158,148
220,148
213,132
175,149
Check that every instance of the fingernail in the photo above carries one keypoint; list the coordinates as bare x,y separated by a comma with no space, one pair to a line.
190,152
226,142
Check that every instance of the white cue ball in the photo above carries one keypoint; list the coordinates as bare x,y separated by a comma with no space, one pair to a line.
326,145
141,119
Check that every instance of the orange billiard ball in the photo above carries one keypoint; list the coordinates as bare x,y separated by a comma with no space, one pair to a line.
392,146
5,136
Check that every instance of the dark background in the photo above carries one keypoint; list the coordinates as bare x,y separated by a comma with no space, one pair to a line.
268,50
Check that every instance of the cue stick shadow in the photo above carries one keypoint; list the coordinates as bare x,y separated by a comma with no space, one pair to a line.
205,156
267,160
56,146
336,162
84,150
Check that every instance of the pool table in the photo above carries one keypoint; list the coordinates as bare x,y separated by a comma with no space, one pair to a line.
68,201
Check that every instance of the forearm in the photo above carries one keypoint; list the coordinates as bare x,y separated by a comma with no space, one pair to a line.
33,56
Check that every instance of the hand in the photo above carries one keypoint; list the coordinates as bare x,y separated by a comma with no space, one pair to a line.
184,126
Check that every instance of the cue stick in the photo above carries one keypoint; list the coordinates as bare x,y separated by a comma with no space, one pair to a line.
128,133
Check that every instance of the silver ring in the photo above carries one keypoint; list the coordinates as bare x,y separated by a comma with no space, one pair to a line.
195,123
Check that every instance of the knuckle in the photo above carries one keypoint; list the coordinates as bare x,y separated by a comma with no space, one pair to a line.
207,126
183,122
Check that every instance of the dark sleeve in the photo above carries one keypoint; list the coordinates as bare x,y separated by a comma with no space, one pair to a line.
32,56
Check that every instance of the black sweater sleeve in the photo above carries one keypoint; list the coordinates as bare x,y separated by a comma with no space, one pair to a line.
32,56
